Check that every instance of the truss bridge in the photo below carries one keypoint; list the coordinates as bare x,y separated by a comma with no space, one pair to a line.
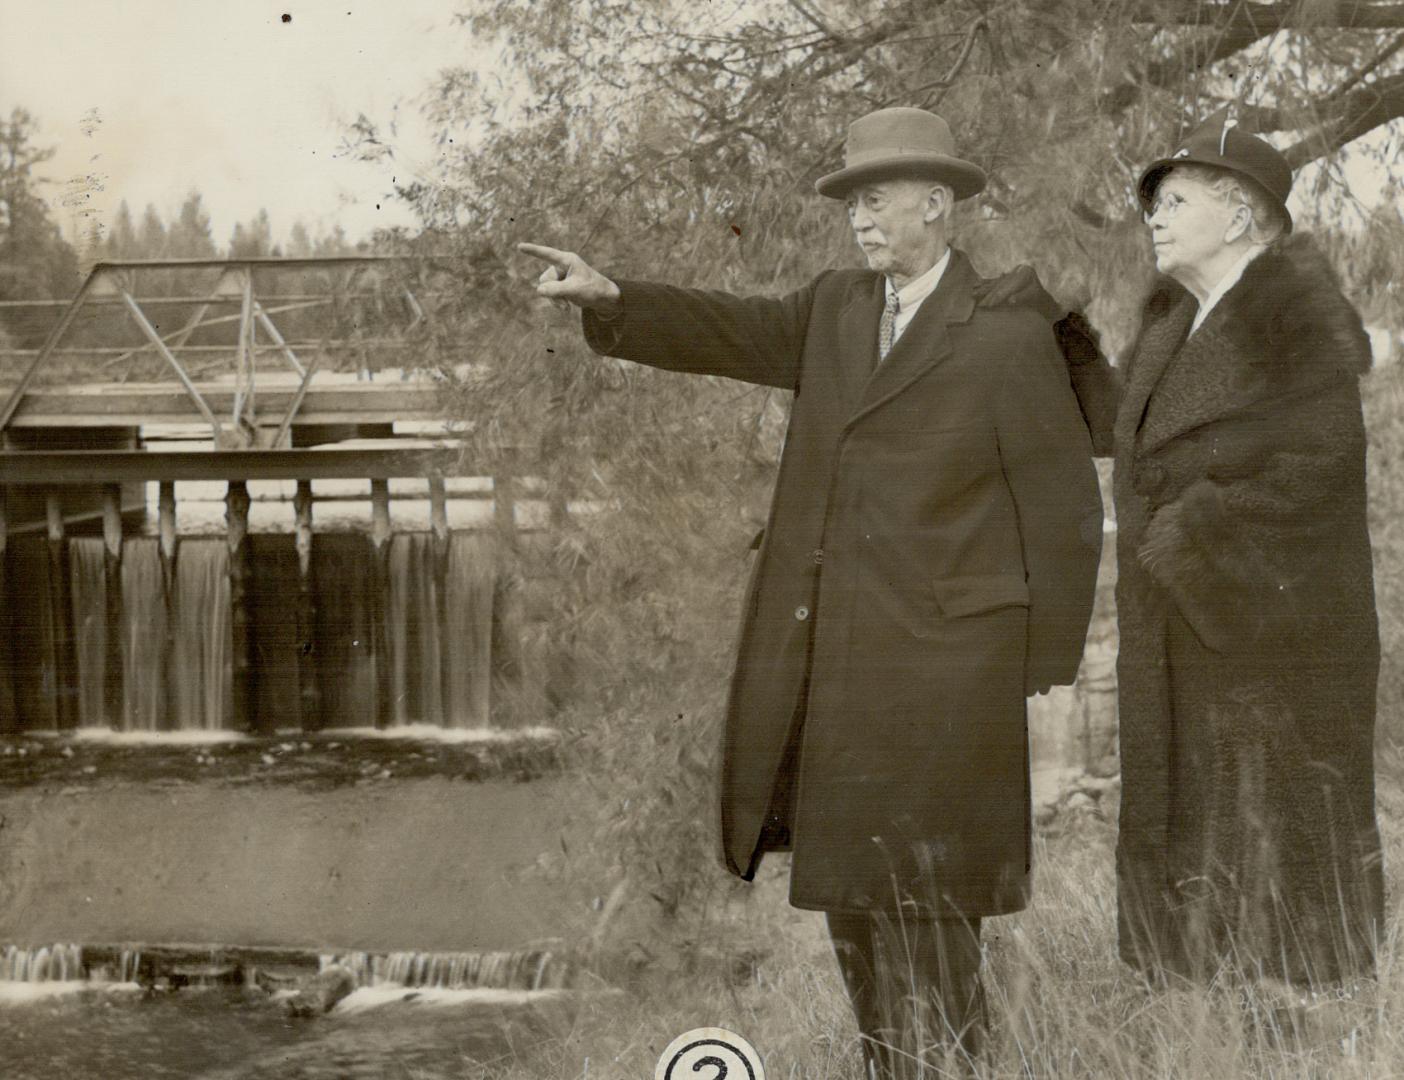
291,381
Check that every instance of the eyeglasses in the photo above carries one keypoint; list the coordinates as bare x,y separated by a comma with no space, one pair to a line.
1170,202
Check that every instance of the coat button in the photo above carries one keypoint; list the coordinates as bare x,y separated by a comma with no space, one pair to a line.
818,556
801,613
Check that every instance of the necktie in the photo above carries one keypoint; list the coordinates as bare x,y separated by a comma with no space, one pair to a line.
886,325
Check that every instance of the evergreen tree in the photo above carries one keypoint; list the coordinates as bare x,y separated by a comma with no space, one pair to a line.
152,240
299,242
122,236
35,260
252,240
190,236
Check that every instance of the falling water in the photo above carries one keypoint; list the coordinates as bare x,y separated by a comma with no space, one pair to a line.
441,675
86,562
144,634
472,573
531,969
415,679
129,965
33,640
52,963
177,671
201,677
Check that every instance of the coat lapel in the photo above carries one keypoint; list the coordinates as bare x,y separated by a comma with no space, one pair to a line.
1160,343
924,343
1202,385
857,345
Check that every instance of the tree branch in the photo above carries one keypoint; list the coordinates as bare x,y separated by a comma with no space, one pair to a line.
1369,69
1265,18
927,90
1360,111
816,20
1246,23
1200,53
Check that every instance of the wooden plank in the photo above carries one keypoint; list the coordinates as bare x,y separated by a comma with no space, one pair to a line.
9,716
113,466
381,535
438,526
168,549
309,694
133,404
63,660
112,673
245,670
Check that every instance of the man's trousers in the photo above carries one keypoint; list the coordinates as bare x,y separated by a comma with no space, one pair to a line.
914,984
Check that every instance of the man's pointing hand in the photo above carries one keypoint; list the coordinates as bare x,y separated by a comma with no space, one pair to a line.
569,277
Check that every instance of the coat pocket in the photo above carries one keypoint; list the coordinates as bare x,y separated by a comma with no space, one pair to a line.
979,594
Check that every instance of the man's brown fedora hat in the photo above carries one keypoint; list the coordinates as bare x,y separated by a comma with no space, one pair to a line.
901,142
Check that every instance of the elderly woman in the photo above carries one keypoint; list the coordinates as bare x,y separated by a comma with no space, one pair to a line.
1249,643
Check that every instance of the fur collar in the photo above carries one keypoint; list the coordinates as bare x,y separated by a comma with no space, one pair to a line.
1286,314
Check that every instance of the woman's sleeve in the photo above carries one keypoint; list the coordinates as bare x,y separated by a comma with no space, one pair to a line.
1095,381
1242,547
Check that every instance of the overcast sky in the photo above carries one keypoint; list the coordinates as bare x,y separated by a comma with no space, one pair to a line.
155,97
151,98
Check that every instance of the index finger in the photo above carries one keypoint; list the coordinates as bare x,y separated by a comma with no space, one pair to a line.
549,254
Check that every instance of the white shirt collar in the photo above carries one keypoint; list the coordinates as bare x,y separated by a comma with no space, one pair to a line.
910,296
1227,282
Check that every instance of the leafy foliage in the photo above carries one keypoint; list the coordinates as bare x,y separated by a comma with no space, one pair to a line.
680,142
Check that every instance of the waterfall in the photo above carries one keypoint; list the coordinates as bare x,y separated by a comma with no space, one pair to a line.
345,578
415,672
201,676
530,969
129,965
176,652
144,634
472,573
52,963
441,675
86,565
32,645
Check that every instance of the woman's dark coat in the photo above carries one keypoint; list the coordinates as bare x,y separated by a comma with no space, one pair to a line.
931,553
1249,643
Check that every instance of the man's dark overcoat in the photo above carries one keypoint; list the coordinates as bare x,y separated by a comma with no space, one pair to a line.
1249,645
931,551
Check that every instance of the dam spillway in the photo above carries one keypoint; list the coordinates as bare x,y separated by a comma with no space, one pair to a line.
119,615
348,629
176,652
270,638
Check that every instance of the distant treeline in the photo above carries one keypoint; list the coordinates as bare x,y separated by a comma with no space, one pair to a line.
37,262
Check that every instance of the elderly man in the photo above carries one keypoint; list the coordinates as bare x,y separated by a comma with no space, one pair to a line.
929,561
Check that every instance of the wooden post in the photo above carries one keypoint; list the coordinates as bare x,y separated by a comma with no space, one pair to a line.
506,648
112,691
245,671
438,522
380,602
64,659
9,713
309,692
167,549
504,501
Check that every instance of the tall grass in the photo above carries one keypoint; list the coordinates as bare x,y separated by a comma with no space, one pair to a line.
694,948
1061,1004
633,620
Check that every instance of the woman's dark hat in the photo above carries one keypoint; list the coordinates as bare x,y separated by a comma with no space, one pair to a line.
901,142
1219,142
